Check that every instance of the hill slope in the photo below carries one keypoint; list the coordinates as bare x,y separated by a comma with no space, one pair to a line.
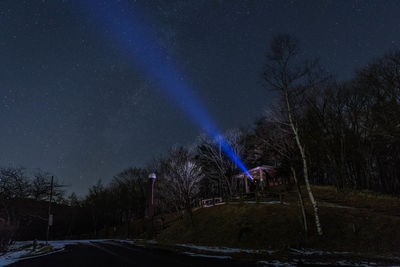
367,226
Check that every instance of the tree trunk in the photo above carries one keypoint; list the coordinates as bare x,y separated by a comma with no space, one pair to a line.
305,168
189,210
303,211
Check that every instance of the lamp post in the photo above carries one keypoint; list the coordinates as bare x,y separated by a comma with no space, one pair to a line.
149,213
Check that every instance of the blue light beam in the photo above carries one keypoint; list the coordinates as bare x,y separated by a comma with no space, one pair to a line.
128,29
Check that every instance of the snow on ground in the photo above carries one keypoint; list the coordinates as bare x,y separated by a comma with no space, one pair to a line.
207,256
276,263
21,250
283,263
297,262
345,263
11,257
348,263
17,253
225,249
60,244
137,242
317,252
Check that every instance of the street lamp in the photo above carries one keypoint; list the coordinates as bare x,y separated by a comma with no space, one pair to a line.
150,195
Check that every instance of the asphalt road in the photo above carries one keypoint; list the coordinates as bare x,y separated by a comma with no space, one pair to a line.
117,254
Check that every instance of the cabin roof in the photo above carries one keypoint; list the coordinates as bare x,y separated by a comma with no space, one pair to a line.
271,170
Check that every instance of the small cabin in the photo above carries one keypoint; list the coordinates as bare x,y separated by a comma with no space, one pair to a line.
266,176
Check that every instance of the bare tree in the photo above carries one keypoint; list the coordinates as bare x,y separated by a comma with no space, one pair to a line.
73,200
128,187
217,165
181,176
40,185
96,201
292,80
14,183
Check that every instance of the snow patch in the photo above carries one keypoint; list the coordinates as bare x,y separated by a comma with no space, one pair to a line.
296,262
317,252
225,249
22,250
137,241
16,251
362,264
129,241
276,263
207,256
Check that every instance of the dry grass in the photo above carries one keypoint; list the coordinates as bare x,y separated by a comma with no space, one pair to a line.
373,226
371,201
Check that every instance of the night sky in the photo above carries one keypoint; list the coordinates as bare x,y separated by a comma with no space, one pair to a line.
72,103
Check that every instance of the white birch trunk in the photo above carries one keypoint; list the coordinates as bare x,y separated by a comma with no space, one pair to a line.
305,168
303,211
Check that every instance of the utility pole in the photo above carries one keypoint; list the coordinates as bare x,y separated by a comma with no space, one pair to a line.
50,216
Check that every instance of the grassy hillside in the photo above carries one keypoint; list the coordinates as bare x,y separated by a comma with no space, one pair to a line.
352,221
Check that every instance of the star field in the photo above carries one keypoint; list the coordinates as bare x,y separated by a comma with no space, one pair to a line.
73,104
